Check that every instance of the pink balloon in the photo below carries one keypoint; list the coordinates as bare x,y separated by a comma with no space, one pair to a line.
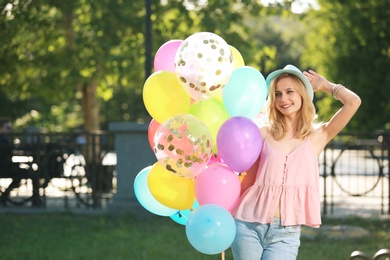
215,158
153,125
239,143
217,184
165,56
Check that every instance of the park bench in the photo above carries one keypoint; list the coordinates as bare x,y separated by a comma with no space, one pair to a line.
19,173
39,164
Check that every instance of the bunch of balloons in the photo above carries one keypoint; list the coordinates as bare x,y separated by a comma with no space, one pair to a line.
203,101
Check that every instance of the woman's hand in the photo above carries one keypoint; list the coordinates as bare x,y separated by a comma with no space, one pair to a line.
317,81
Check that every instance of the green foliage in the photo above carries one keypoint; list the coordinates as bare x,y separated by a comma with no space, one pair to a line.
52,51
349,43
56,49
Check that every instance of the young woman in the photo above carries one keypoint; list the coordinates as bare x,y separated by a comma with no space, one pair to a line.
281,190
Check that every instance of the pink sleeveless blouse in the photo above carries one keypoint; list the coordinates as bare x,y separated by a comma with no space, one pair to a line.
292,180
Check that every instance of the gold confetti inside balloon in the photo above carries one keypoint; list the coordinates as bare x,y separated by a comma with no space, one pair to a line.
183,145
203,65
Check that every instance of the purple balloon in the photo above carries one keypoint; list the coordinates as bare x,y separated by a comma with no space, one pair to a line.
239,143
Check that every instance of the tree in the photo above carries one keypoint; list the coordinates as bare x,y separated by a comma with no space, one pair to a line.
349,42
79,62
70,51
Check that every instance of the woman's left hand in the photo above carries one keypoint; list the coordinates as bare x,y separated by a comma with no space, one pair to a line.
316,80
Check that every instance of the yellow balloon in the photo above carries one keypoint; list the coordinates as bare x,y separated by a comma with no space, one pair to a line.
164,97
241,176
238,60
170,190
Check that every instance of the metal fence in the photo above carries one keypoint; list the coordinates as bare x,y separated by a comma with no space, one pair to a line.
356,165
82,165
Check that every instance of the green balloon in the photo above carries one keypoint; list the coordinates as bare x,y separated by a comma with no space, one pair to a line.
213,114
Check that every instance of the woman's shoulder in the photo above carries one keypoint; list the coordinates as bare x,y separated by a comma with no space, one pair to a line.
318,137
264,130
318,130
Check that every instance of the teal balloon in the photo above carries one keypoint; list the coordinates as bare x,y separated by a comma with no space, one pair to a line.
145,197
245,93
181,217
211,229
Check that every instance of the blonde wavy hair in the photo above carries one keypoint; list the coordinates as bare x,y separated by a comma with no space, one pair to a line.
304,124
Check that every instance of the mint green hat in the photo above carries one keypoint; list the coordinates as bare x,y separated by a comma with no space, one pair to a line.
291,69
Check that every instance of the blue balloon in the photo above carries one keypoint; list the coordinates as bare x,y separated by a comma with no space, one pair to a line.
181,217
245,93
145,197
211,229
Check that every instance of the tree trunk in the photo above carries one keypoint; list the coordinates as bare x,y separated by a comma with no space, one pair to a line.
90,107
90,102
93,148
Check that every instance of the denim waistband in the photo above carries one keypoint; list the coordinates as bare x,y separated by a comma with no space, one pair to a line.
276,221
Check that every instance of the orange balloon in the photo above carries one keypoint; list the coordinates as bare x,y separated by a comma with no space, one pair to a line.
170,190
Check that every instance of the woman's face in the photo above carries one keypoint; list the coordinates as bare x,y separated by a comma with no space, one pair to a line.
287,100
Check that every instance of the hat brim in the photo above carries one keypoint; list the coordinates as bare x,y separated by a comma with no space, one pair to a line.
299,74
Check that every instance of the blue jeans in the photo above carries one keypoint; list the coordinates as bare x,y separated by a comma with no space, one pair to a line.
255,241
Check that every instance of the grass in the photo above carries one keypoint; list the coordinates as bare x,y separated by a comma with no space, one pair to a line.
71,236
